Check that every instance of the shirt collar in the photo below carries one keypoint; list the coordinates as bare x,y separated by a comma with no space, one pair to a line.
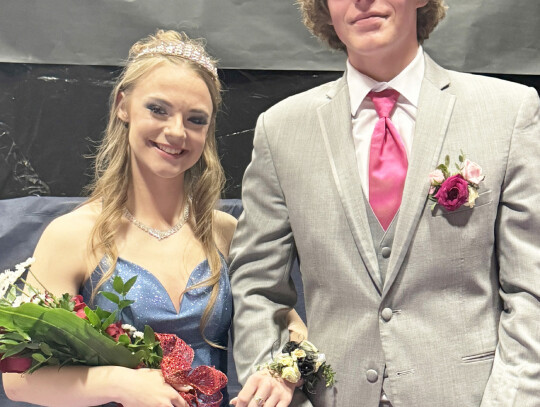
407,82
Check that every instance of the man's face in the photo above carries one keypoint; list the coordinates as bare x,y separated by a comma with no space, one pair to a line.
376,28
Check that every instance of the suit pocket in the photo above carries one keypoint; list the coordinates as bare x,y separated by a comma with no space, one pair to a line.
483,199
479,357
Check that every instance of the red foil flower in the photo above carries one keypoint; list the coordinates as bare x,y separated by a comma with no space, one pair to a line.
176,368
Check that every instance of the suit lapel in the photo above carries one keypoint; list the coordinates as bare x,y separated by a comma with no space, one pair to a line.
335,122
434,112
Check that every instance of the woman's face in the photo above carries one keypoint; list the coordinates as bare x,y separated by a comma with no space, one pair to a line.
168,112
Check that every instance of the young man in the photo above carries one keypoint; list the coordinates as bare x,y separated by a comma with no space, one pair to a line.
414,304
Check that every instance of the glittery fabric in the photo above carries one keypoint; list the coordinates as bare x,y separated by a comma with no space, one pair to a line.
154,307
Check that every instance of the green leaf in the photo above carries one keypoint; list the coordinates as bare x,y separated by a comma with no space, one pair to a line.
447,160
118,284
92,317
9,341
13,350
46,349
39,357
101,313
109,320
124,339
66,332
125,303
149,335
128,284
111,296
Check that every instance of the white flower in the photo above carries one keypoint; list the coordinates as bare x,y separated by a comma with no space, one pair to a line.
129,328
291,374
308,346
285,360
137,335
473,194
321,358
298,353
8,278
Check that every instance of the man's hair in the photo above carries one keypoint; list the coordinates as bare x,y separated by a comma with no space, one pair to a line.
316,18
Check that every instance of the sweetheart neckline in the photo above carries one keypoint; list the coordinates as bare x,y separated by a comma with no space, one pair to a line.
153,276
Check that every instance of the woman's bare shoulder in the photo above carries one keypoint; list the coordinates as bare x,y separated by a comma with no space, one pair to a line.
62,256
224,225
74,225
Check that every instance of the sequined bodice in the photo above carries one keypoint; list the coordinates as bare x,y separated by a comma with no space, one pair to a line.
154,307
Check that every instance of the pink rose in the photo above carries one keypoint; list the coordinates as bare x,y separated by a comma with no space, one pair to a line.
79,306
115,330
453,192
472,172
436,177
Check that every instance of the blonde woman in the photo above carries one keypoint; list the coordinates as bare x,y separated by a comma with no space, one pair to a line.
151,214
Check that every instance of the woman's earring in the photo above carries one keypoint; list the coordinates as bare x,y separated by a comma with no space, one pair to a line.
126,125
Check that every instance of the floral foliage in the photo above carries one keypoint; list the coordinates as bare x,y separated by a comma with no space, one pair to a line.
39,329
452,190
301,360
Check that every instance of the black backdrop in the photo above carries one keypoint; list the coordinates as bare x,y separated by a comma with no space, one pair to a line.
52,115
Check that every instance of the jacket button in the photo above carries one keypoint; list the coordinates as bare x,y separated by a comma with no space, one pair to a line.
372,375
385,251
386,314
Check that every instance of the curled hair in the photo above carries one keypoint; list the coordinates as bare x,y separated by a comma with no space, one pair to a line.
112,173
316,18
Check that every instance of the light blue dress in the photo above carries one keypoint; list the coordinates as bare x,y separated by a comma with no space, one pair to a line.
154,307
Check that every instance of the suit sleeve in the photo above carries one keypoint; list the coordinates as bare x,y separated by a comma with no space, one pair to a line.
262,255
515,377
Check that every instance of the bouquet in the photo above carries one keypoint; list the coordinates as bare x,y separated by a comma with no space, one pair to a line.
39,329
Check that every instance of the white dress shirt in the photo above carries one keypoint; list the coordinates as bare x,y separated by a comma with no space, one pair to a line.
364,116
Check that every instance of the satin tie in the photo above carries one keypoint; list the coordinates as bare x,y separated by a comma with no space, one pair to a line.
387,160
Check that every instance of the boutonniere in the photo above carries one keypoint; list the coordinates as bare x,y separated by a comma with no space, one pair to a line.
451,190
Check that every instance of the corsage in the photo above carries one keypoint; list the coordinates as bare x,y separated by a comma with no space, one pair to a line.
451,190
301,361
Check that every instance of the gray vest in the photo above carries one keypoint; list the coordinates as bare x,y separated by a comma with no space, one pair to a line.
382,241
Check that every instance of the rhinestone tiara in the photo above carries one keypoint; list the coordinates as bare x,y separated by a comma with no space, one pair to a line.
188,51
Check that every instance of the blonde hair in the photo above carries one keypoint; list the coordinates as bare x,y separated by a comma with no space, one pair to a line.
203,182
316,18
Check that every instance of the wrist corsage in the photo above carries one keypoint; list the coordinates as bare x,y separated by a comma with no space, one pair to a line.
301,361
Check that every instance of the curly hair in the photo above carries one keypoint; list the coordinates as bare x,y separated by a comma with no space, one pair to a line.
316,18
112,172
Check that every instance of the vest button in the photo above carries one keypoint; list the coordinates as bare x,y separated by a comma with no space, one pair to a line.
386,314
372,375
385,251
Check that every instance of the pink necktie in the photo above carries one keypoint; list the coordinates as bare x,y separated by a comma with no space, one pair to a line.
387,160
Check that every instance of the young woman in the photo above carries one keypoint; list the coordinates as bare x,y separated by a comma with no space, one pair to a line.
151,213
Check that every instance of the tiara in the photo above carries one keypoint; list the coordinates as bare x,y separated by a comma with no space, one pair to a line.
192,52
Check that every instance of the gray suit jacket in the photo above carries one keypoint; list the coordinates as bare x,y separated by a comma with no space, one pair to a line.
463,286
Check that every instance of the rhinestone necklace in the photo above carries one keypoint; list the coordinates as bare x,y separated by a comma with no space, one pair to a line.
158,234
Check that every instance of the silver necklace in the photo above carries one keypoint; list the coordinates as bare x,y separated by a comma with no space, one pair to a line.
158,234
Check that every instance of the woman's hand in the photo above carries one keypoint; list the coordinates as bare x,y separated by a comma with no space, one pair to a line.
262,389
147,388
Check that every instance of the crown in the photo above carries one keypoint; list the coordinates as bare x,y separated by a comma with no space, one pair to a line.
192,52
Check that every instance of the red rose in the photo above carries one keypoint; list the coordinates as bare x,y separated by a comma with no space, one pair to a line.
115,330
15,364
79,306
453,192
